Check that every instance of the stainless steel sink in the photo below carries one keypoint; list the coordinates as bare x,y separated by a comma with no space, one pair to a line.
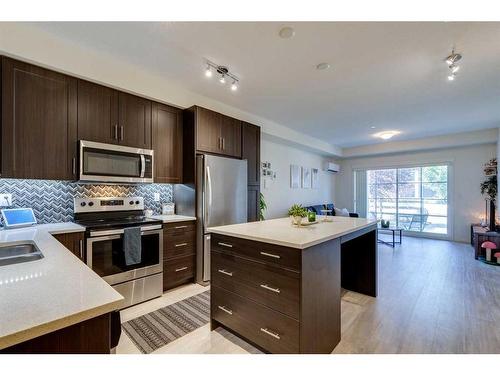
19,253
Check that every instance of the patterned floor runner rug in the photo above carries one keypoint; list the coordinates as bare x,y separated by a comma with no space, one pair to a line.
158,328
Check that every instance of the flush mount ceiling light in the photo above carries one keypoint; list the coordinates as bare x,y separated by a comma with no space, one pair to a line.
286,32
452,61
223,73
386,135
323,66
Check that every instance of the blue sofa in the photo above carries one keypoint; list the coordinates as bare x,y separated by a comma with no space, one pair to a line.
329,206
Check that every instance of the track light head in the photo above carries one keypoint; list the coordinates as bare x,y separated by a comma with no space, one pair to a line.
208,71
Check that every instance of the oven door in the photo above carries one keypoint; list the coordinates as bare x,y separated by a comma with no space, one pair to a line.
106,257
113,163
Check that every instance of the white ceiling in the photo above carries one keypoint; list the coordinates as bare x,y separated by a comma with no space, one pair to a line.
388,75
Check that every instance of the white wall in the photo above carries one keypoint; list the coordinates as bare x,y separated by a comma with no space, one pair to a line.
277,193
466,175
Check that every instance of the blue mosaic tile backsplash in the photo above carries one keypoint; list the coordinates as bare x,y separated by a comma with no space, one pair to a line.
52,201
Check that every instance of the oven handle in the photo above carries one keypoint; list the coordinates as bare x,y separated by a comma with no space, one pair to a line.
112,232
143,165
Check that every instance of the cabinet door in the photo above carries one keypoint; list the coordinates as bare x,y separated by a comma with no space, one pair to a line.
167,143
208,130
97,113
253,202
73,242
39,109
134,120
231,136
250,150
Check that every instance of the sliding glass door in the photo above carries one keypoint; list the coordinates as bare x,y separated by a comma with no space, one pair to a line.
414,198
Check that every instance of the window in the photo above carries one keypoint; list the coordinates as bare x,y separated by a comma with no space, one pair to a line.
414,198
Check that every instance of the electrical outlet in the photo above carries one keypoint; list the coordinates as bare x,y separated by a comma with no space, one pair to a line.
157,197
5,200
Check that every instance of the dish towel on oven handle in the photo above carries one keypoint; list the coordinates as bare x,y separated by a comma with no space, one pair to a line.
132,245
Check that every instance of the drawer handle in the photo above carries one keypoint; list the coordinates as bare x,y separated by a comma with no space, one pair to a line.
226,310
270,255
225,244
265,286
226,272
181,227
181,269
181,244
270,333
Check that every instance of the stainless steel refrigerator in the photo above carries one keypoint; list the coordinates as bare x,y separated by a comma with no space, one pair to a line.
221,189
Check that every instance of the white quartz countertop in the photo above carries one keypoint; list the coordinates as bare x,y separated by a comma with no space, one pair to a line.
51,293
173,218
282,232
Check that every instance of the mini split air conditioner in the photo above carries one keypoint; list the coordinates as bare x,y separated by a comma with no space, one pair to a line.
332,167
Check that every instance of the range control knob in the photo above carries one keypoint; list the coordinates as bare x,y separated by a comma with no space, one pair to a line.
91,204
137,202
83,204
131,202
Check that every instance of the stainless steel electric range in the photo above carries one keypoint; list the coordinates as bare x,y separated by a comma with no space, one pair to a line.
105,220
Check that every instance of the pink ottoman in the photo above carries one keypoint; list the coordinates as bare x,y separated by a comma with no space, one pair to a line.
488,245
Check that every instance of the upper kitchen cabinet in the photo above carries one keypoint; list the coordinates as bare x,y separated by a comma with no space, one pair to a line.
167,143
97,113
217,133
250,150
39,122
110,116
134,121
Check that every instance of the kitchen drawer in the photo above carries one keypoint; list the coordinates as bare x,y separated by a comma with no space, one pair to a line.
263,252
179,244
177,271
179,227
274,287
271,330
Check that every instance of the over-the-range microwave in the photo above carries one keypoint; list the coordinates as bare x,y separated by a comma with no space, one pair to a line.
102,162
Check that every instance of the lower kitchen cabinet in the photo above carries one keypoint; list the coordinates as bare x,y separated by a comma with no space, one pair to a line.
73,242
179,249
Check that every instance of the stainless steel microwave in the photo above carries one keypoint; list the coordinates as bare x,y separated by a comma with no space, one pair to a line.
104,162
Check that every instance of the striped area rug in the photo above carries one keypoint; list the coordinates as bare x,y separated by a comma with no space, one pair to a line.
158,328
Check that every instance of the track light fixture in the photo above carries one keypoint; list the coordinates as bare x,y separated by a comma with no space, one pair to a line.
222,72
452,61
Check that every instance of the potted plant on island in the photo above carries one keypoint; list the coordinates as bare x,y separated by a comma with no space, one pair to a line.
296,213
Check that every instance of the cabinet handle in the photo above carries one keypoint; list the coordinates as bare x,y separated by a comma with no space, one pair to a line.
271,333
270,255
73,166
225,309
181,269
226,272
116,132
81,249
181,226
265,286
181,244
121,133
222,144
225,244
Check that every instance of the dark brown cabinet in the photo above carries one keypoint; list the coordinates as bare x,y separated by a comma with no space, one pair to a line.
97,113
73,242
250,150
217,133
110,116
39,122
167,143
134,121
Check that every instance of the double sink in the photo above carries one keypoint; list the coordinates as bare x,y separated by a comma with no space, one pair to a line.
19,252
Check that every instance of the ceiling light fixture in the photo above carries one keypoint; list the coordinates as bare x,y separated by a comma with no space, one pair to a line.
386,135
223,73
452,61
323,66
287,33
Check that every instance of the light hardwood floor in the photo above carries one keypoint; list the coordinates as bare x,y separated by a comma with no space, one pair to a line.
433,298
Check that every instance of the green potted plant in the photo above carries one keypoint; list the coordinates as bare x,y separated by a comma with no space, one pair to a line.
296,213
262,206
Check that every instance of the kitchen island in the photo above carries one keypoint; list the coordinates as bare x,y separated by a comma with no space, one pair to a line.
279,286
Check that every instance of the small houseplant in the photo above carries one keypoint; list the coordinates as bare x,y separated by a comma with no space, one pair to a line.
297,212
262,206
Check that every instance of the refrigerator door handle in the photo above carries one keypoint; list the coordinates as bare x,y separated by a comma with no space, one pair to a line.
208,196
